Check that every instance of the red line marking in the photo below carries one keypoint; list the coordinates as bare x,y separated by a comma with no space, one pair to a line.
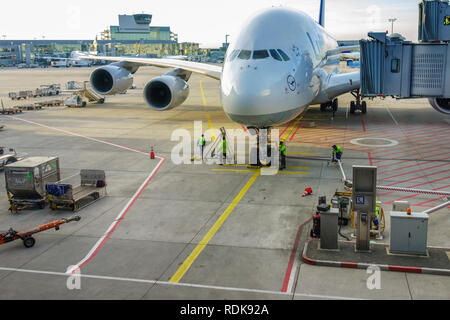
403,168
432,200
352,265
298,128
405,269
415,171
118,221
424,176
370,158
417,185
289,124
363,124
408,149
423,158
287,275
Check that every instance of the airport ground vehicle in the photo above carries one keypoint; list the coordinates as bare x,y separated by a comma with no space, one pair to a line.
64,63
7,156
67,196
11,110
48,90
26,236
24,94
26,179
81,95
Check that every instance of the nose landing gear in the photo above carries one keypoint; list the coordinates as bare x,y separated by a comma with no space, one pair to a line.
333,105
358,104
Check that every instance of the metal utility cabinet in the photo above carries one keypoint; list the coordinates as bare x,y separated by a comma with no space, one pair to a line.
329,229
364,202
26,179
409,233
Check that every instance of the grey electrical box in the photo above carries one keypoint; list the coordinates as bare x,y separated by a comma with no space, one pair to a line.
329,229
409,233
434,20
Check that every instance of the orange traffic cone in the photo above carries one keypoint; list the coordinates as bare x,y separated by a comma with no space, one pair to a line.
308,192
152,154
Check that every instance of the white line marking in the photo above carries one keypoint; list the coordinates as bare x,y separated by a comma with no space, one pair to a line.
294,271
176,284
79,135
392,116
93,252
118,219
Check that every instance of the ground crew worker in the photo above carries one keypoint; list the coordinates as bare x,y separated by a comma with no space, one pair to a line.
376,219
283,155
202,144
337,153
224,149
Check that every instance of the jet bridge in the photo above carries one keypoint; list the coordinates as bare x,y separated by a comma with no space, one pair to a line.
391,66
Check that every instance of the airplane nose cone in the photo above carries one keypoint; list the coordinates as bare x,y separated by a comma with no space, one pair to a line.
252,97
247,95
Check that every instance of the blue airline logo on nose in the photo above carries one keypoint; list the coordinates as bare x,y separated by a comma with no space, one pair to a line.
292,83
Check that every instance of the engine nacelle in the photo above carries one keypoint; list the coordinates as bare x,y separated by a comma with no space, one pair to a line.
111,80
441,104
166,92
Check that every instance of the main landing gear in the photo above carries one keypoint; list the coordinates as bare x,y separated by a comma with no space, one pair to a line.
358,104
333,105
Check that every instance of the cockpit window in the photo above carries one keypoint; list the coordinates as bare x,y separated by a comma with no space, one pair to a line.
245,55
233,55
275,55
260,54
284,55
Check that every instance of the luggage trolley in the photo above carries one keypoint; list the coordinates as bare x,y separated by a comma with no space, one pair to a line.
69,197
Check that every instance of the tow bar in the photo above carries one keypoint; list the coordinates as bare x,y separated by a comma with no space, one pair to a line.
26,236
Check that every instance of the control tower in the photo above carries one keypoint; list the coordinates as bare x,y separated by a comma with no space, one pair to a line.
135,23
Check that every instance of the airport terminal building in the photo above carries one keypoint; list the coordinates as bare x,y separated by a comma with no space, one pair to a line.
133,35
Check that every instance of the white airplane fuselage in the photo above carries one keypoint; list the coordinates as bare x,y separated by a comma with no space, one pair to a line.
262,91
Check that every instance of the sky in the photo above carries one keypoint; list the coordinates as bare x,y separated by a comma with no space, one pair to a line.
202,21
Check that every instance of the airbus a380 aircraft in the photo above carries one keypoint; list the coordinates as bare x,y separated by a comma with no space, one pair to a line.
281,62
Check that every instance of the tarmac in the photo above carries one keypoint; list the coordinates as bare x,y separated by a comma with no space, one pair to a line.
188,231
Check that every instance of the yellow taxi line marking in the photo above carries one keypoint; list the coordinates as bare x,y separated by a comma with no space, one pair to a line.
202,245
293,126
207,113
293,172
232,170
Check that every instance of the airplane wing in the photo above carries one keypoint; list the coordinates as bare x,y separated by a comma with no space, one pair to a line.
342,49
208,70
354,56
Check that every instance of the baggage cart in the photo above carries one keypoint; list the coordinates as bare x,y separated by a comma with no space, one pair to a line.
70,197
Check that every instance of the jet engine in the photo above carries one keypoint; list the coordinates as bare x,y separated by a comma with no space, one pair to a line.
166,92
111,79
441,104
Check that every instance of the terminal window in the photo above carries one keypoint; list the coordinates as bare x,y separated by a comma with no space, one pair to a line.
447,20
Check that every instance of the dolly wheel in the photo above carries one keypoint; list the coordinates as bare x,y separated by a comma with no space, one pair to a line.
29,242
